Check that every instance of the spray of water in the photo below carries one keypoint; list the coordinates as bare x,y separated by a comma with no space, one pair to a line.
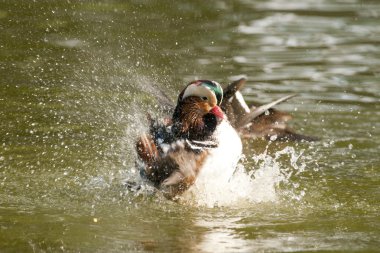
255,183
113,105
267,179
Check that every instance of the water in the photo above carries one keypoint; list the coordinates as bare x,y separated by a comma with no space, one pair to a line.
78,77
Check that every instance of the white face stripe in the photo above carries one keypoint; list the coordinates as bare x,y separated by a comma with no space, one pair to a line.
200,91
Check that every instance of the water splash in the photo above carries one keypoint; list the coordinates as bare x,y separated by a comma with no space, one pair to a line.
260,178
117,107
268,179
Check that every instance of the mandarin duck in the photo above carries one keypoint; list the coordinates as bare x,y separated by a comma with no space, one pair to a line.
198,141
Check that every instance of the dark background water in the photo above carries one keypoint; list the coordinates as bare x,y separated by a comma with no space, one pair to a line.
77,77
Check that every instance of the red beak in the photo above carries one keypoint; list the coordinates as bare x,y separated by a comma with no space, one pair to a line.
217,112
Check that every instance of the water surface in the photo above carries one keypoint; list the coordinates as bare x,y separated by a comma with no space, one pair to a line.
77,78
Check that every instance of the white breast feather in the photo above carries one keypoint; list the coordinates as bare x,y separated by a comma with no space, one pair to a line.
219,166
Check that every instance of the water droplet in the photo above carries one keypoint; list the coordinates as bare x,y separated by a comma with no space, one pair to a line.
273,137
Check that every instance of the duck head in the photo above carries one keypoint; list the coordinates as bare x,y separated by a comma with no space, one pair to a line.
197,113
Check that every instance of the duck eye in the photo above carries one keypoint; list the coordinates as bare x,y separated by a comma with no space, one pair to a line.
204,98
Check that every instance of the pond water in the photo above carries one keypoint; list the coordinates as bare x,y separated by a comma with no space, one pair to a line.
76,81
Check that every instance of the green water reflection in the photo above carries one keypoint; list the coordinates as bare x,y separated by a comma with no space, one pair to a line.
76,78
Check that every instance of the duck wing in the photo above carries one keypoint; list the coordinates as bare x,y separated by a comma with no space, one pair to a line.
233,87
237,110
171,167
233,103
257,111
253,121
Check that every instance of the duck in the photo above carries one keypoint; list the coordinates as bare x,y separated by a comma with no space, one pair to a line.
198,143
259,120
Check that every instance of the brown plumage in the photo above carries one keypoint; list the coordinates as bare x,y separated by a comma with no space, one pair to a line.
192,120
271,125
172,172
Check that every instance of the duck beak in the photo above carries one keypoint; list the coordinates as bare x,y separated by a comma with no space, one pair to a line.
217,112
